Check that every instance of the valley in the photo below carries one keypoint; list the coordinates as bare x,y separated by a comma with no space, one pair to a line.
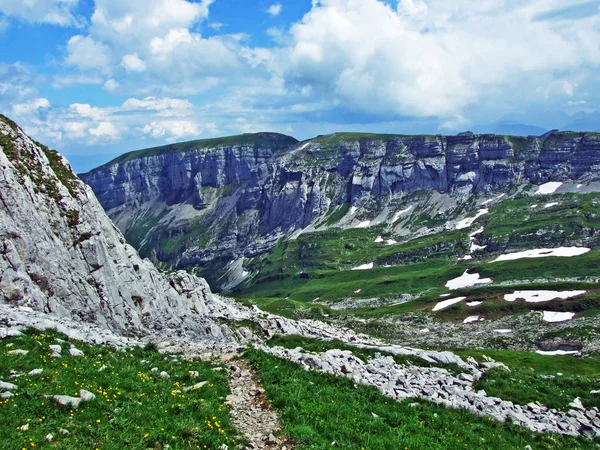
438,317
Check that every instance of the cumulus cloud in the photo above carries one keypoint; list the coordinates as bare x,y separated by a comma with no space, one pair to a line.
86,53
428,58
133,63
275,9
172,130
55,12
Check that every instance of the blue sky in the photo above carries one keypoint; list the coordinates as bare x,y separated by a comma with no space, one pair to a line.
95,78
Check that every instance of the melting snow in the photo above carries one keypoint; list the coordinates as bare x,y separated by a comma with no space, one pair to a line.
541,296
579,186
549,188
364,224
474,303
467,280
503,331
491,200
445,295
399,213
465,258
391,242
550,205
358,291
534,206
245,274
466,223
378,240
553,316
446,303
365,267
566,252
558,352
353,210
424,330
471,319
475,233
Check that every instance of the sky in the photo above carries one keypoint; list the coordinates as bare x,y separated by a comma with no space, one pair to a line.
96,78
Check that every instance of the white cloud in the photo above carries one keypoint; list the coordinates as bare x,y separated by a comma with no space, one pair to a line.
85,53
30,107
275,9
133,63
172,130
165,107
111,85
104,131
55,12
431,58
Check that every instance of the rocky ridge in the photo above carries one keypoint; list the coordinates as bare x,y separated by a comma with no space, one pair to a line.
215,205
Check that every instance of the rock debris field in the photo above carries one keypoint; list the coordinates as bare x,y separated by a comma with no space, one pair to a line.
439,386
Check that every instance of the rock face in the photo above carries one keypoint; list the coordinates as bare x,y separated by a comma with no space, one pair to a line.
209,204
60,254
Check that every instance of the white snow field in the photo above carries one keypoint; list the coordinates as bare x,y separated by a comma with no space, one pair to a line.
541,296
466,223
446,303
549,188
553,316
365,267
471,319
566,252
467,280
474,303
557,352
399,213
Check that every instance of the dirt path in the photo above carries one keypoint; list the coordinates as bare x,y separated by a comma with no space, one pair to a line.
251,412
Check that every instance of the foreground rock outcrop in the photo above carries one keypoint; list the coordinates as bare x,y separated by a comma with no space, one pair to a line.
61,254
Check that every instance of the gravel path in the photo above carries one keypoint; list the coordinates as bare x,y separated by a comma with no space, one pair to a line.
251,412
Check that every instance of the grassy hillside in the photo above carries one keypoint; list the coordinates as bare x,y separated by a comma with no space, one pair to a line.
135,407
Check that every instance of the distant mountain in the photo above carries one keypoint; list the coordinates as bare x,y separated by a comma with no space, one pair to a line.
517,129
584,122
210,206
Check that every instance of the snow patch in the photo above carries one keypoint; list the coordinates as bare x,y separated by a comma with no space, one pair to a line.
358,291
550,205
553,316
467,280
491,200
353,210
558,352
245,273
445,295
541,296
364,224
365,267
548,188
466,223
534,206
475,233
399,213
474,303
446,303
503,331
391,242
566,252
471,319
378,240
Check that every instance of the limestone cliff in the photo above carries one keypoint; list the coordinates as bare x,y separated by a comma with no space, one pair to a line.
61,254
207,204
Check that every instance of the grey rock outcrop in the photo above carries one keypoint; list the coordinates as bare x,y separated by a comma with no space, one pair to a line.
60,254
210,206
439,386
